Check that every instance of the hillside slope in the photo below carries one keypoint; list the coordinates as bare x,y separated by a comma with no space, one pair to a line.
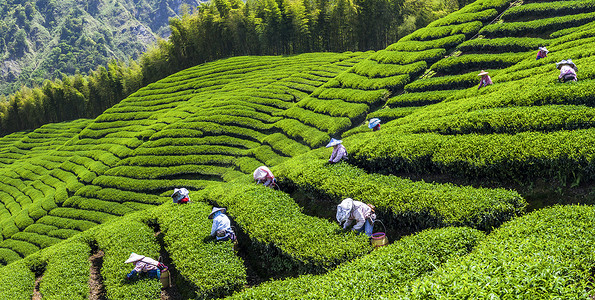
100,184
43,39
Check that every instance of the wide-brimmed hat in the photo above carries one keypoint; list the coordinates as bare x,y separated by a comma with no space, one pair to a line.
373,123
482,73
216,209
133,257
544,49
261,173
179,194
344,209
565,62
334,142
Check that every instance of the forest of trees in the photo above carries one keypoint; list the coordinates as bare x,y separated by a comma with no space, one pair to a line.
218,29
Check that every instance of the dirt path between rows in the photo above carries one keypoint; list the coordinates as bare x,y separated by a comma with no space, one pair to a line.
36,293
96,289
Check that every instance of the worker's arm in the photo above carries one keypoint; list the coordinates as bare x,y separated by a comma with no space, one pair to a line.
347,223
215,226
333,155
359,216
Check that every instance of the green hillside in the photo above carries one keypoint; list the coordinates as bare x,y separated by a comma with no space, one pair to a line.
458,174
43,39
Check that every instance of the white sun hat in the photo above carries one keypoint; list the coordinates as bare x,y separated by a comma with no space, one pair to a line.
216,209
334,142
482,73
133,257
565,62
344,209
373,123
179,194
544,49
261,173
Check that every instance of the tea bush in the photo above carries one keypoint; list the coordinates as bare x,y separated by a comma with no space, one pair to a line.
404,58
385,269
443,83
544,253
323,122
540,25
66,275
430,33
208,269
117,240
351,95
548,9
419,98
509,120
565,155
335,107
407,204
458,18
507,44
412,45
285,240
464,63
16,281
373,69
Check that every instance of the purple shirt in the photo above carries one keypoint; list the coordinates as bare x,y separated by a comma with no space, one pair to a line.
565,70
485,80
339,153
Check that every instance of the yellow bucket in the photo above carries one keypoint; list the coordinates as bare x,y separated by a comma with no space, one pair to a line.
379,239
165,279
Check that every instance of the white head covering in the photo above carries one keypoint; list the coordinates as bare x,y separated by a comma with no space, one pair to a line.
334,142
344,209
373,123
482,73
133,257
261,173
179,194
544,49
566,62
215,209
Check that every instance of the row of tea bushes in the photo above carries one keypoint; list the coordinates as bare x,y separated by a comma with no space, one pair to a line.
206,269
403,202
564,155
509,120
384,270
451,82
548,9
464,63
546,254
284,239
507,44
65,266
540,25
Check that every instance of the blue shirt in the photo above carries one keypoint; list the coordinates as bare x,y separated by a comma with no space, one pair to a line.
220,222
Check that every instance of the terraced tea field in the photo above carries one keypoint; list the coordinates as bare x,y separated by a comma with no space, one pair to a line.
101,187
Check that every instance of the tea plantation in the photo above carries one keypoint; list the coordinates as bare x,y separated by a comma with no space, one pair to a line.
447,172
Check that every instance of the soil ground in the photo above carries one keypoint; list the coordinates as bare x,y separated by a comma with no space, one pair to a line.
36,293
96,290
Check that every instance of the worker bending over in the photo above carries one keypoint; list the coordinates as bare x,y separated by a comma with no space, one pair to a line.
567,70
374,124
144,265
350,210
339,151
485,79
221,225
263,175
180,196
542,53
